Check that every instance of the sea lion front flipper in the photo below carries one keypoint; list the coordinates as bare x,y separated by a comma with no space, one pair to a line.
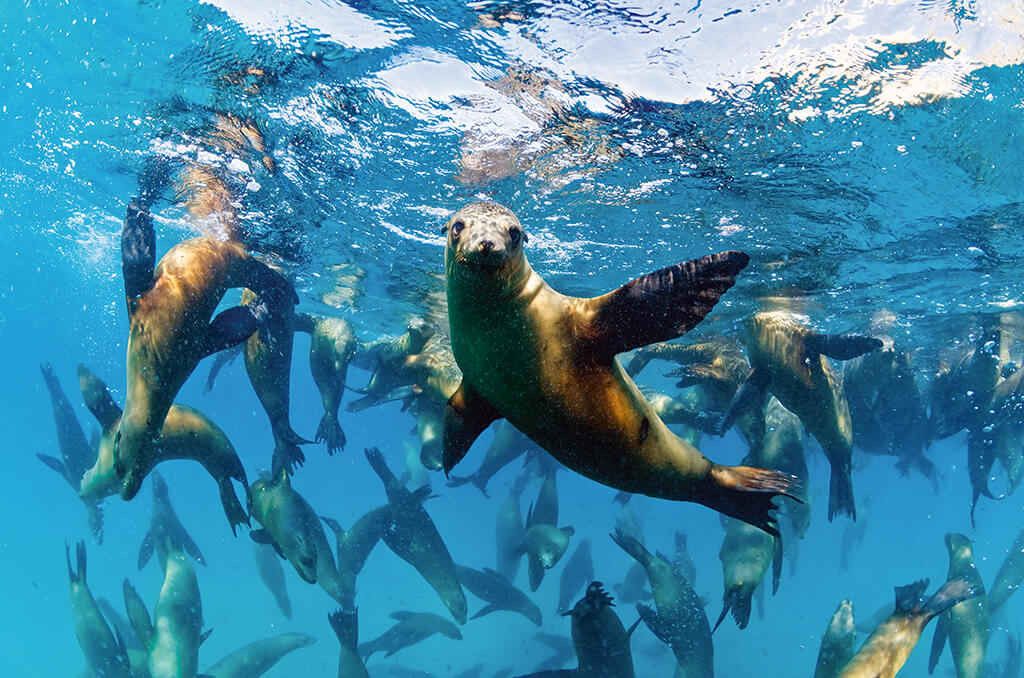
146,549
138,615
486,610
693,375
746,493
55,464
138,252
661,305
465,418
938,643
841,346
97,398
776,564
232,326
746,395
261,536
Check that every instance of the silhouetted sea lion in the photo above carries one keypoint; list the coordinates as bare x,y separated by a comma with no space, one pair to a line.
966,624
546,362
105,655
345,625
258,657
164,525
412,627
498,592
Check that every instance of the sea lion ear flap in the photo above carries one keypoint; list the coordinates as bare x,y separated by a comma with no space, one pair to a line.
842,346
661,305
465,418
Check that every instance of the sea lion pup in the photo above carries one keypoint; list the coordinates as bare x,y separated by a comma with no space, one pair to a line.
412,627
332,345
887,409
258,657
164,526
268,362
966,624
77,453
170,310
680,621
187,433
355,545
838,644
507,446
789,360
292,527
414,538
498,592
577,572
546,362
1009,576
886,650
105,655
268,565
345,625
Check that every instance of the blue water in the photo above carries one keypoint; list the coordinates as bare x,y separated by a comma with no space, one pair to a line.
866,155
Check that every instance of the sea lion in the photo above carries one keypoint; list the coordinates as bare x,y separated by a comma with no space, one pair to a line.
1009,576
995,433
509,531
682,562
782,449
498,592
165,527
268,362
171,324
293,528
258,657
576,574
546,362
887,648
746,554
966,624
507,446
177,620
414,538
186,433
268,566
600,639
105,655
345,625
789,360
384,358
958,392
680,621
138,617
412,627
355,545
332,345
544,543
77,454
838,644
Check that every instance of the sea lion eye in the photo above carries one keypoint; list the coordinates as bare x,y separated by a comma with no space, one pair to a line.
457,228
515,235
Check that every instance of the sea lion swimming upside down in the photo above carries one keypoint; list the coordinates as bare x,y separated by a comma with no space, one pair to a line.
546,362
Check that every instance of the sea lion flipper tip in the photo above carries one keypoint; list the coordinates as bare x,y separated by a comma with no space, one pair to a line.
661,305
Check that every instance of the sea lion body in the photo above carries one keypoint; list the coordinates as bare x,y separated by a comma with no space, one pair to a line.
384,358
958,392
887,648
544,545
507,446
412,627
966,624
177,621
546,362
414,538
782,449
258,657
332,345
354,547
104,654
838,644
498,592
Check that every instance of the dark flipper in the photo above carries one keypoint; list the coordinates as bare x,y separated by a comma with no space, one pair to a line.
138,615
661,305
938,644
269,285
486,610
146,549
97,398
55,464
232,326
728,600
232,507
630,545
287,453
840,492
220,361
841,346
693,375
330,433
345,625
190,547
465,418
746,395
777,565
746,493
138,251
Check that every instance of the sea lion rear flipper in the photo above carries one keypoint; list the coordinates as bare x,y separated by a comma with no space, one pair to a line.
746,395
465,418
840,492
661,305
938,643
55,464
345,626
261,536
841,346
138,251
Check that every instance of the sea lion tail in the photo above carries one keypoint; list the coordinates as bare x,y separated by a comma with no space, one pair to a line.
329,432
746,493
345,625
840,495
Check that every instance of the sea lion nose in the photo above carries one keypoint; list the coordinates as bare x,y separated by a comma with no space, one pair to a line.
486,246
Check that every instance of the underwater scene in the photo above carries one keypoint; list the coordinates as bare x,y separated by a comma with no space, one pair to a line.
582,338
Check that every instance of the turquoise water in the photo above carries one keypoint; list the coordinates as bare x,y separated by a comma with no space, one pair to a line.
865,155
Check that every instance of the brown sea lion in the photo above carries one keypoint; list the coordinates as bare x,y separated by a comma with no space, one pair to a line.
384,359
790,361
966,624
963,388
887,648
171,324
546,362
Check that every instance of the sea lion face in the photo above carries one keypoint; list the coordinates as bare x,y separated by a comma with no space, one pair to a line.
485,242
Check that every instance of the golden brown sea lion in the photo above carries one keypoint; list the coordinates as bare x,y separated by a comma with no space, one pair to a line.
789,360
171,325
546,362
966,624
886,650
